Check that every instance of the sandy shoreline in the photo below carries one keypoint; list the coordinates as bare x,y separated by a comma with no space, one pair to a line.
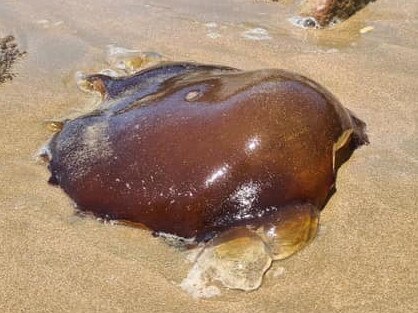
365,257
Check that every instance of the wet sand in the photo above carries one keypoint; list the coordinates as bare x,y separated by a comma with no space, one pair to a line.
365,257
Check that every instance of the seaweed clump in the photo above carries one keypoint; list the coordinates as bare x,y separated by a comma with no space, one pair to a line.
330,12
9,53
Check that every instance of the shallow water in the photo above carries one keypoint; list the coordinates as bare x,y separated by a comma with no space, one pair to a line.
365,257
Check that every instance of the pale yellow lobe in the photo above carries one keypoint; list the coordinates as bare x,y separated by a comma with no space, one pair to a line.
341,142
290,234
54,126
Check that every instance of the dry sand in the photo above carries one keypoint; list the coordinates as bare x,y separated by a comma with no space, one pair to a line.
365,257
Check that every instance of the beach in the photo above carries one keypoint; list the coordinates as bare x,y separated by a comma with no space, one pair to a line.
365,257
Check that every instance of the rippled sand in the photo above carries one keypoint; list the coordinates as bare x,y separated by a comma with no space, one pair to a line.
365,257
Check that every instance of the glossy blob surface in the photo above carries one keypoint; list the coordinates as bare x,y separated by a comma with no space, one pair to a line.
193,150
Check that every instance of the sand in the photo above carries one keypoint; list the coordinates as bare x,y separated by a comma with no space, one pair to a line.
365,257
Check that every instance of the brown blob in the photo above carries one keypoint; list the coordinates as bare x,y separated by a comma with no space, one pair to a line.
250,145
